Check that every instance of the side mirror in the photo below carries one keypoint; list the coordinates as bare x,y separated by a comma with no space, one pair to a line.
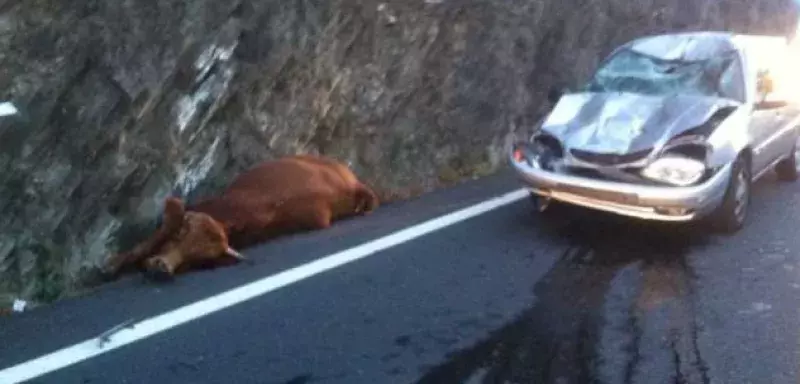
765,88
764,84
554,94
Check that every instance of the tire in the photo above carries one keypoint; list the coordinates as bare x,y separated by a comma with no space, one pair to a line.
725,218
786,169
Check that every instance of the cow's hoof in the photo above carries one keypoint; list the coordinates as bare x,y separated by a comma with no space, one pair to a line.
157,270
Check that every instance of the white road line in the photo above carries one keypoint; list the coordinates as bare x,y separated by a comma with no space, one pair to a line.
148,327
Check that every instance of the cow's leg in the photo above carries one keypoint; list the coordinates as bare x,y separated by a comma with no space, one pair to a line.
315,215
164,266
173,219
141,251
302,214
366,200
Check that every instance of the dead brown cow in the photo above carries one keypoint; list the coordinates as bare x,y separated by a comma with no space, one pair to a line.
291,194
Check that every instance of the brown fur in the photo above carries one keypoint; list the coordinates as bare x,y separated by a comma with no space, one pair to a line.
291,194
172,222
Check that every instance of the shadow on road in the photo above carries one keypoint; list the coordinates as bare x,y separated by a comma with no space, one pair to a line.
616,308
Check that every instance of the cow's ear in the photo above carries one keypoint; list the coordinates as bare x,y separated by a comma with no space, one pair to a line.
174,205
173,213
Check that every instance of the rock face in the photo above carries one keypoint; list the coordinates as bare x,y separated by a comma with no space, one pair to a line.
122,103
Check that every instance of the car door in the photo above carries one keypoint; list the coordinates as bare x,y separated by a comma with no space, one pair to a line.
782,139
767,120
771,131
786,129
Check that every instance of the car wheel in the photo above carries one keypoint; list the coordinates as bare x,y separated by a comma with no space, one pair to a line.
786,169
731,214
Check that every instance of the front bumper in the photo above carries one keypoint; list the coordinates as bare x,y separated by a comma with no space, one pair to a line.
634,200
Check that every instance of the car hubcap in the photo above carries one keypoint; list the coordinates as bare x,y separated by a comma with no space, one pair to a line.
741,192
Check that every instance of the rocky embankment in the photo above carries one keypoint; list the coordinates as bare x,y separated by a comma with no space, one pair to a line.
125,102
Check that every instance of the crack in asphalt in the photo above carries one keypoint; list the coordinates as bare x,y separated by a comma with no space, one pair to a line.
633,348
586,342
676,359
691,278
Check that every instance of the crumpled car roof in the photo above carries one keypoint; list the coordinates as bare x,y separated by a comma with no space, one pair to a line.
688,46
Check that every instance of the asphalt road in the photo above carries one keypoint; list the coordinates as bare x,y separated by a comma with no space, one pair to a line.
505,297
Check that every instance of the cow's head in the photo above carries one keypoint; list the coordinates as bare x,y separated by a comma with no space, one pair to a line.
185,239
199,241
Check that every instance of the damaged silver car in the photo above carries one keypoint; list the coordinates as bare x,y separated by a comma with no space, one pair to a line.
671,127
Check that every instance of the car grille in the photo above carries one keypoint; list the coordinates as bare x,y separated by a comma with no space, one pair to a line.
626,175
588,172
608,158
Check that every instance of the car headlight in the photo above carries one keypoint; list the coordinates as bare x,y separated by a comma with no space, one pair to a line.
541,152
676,170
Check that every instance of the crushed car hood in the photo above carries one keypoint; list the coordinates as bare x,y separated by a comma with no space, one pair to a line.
622,123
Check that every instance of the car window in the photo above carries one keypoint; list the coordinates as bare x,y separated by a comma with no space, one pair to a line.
731,83
635,72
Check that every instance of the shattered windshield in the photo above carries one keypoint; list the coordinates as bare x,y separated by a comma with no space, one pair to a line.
634,72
